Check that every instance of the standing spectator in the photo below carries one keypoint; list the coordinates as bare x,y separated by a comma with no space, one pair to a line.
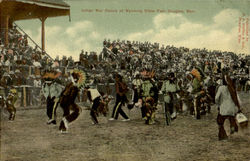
227,100
37,89
37,82
136,86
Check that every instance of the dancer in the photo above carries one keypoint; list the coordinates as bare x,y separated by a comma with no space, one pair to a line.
148,98
197,90
67,99
100,103
10,103
121,99
170,88
51,91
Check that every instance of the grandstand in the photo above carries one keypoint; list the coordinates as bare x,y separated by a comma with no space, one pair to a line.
20,63
15,10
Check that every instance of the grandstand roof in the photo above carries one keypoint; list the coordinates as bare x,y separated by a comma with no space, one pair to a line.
29,9
54,3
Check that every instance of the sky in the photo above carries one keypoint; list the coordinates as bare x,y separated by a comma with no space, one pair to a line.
211,24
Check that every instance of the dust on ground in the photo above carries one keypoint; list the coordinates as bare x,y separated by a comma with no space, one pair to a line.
29,138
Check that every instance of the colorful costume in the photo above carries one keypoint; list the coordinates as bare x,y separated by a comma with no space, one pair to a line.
169,89
67,99
148,106
51,91
10,103
197,91
121,99
100,103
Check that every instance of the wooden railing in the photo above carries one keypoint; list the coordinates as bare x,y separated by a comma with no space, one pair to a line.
20,29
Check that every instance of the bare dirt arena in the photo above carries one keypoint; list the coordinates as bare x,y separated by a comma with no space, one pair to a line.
29,138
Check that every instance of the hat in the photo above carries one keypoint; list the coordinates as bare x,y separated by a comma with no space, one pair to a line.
6,74
48,81
51,75
119,76
171,74
58,70
13,91
32,76
11,72
196,73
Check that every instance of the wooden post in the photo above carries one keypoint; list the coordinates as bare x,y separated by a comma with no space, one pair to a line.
1,21
7,30
24,97
30,70
43,34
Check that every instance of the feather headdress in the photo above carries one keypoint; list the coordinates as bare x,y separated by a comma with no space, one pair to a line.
81,77
51,75
196,73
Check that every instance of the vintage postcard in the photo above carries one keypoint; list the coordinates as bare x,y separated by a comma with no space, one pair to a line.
116,80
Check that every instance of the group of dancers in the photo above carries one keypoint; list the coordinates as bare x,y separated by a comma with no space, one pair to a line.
65,96
145,96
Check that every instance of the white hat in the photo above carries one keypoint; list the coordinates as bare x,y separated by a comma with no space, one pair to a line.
17,71
48,81
58,70
11,72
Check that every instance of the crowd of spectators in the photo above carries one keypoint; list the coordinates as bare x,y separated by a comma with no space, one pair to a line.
20,63
23,66
130,58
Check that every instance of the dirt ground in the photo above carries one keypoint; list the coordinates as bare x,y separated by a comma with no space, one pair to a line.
29,138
